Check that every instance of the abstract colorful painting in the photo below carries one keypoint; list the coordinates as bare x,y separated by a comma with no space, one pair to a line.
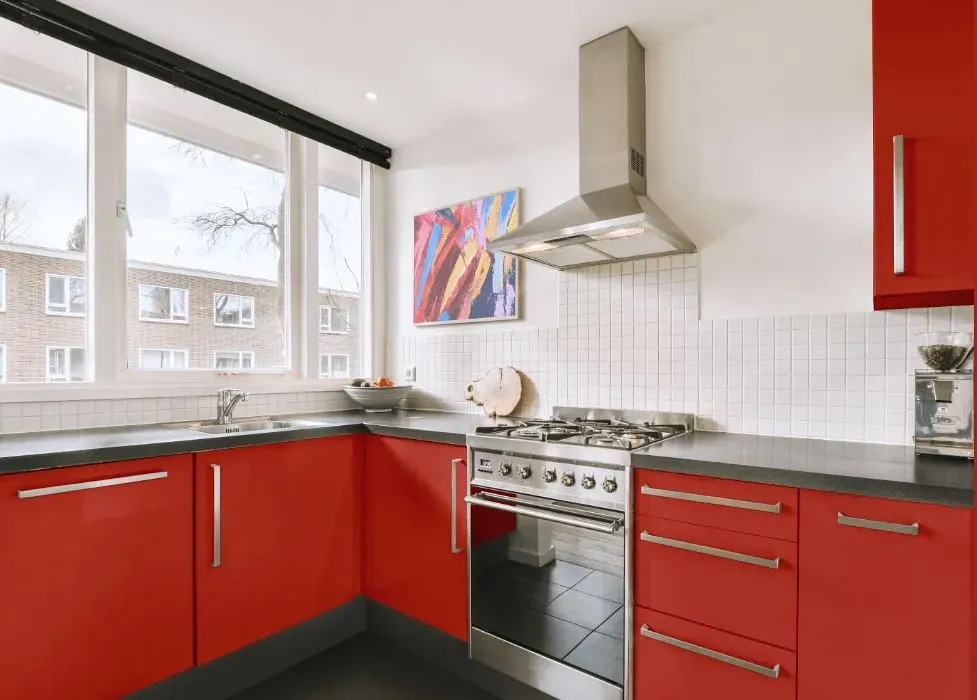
456,280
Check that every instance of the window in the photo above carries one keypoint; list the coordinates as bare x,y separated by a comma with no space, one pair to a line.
162,304
3,289
234,359
65,364
233,310
163,359
333,319
333,366
65,295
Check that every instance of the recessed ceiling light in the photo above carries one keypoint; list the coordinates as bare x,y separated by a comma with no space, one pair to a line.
371,96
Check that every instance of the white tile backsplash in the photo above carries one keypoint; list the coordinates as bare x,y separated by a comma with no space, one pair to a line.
628,337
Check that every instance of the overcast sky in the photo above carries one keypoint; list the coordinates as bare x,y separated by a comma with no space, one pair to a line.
43,166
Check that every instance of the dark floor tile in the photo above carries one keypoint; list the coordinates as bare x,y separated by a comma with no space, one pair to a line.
542,633
519,592
562,573
601,655
603,586
614,627
582,609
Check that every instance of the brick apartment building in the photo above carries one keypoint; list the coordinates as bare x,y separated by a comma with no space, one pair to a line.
177,318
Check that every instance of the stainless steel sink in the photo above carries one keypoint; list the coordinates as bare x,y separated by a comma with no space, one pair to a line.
250,426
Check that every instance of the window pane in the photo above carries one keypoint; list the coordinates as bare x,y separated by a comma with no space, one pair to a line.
323,365
340,259
43,200
179,359
206,190
76,300
57,363
77,359
57,297
340,365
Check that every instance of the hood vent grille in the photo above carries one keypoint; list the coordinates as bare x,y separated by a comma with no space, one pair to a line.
637,162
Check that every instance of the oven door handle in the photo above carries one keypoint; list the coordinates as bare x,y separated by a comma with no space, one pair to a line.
607,525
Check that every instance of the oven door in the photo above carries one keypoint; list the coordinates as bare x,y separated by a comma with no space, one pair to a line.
548,594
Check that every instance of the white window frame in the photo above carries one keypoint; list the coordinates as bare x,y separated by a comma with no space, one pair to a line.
330,374
172,352
240,360
66,378
146,319
67,295
108,373
327,328
3,289
241,297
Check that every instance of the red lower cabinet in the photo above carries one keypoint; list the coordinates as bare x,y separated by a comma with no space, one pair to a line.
415,534
277,538
96,589
883,599
675,659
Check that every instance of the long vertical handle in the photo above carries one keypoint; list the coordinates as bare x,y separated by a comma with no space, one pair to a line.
216,562
455,549
899,204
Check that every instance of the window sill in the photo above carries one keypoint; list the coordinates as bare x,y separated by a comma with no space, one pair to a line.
333,332
65,314
166,321
233,325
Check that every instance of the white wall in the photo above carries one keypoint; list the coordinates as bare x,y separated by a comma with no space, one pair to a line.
759,146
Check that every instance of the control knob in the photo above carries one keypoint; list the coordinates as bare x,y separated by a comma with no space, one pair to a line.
549,476
568,479
525,471
505,469
588,481
610,484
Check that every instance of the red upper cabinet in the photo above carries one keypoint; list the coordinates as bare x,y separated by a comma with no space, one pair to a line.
96,590
925,106
277,538
883,599
415,531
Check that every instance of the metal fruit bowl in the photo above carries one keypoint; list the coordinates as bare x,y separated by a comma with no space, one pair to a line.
944,351
378,398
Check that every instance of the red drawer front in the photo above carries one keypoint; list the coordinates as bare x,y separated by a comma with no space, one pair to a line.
665,671
750,597
756,509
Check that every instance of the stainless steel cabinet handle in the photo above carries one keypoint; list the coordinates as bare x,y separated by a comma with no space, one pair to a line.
899,204
881,525
607,526
216,561
711,551
455,549
87,485
718,656
712,500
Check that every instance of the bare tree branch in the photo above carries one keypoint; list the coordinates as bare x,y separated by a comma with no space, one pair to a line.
13,228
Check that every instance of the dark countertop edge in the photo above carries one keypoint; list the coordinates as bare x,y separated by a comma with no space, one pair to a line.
833,483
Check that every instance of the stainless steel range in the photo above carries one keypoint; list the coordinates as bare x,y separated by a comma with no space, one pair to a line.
549,552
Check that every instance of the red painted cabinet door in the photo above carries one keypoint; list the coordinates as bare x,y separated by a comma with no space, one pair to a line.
414,538
924,91
96,589
882,613
288,534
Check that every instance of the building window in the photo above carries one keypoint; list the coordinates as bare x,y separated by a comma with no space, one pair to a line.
3,289
163,359
333,366
333,319
65,295
65,364
234,359
163,304
233,310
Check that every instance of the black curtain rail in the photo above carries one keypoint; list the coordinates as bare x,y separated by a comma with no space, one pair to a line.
74,27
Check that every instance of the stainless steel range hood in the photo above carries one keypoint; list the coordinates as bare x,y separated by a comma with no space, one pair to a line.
612,219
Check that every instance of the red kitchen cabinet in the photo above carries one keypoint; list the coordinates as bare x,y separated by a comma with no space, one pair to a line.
882,612
925,96
415,533
277,538
96,589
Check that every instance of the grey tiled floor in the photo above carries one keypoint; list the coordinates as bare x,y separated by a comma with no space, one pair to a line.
364,668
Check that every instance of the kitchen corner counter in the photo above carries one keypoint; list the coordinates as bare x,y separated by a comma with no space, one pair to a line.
52,450
884,471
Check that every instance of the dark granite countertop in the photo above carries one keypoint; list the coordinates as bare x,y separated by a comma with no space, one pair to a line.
52,450
885,471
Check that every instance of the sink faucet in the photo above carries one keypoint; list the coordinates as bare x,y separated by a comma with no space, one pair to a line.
227,401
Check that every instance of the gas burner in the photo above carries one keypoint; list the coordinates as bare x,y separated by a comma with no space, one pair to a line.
613,433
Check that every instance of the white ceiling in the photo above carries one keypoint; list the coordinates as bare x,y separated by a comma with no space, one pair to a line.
433,62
